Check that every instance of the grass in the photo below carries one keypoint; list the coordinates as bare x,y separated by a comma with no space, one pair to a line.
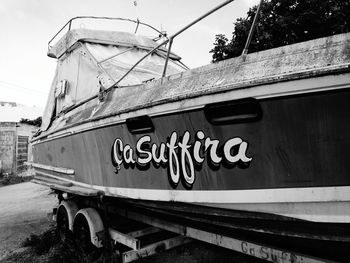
48,247
14,179
42,243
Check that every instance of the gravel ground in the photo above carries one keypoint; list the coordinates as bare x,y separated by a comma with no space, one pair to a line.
24,209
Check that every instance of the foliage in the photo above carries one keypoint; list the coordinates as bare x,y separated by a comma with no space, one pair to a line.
35,122
55,250
284,22
42,243
13,179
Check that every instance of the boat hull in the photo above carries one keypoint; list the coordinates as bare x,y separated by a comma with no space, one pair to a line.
291,158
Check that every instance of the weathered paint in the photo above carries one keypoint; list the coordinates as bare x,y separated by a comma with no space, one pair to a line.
14,149
7,150
297,150
315,58
300,142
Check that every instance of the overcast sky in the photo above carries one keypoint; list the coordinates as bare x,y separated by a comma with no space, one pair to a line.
27,25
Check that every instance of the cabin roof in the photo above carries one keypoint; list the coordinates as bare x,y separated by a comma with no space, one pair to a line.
319,57
125,39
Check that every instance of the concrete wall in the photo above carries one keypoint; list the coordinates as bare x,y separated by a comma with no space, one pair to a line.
7,146
10,153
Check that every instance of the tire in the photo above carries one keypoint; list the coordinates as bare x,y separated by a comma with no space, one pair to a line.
82,234
63,224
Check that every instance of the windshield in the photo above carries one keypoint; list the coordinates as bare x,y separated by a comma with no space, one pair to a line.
117,60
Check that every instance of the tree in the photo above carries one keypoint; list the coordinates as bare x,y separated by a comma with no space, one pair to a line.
35,122
284,22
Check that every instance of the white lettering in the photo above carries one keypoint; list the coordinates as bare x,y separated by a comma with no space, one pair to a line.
139,143
213,145
116,151
173,160
128,153
161,153
197,147
241,152
178,156
185,155
228,147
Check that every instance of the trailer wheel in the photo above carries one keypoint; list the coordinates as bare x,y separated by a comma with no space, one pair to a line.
82,233
62,223
65,217
87,227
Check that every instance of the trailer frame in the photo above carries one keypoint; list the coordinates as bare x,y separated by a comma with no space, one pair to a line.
185,233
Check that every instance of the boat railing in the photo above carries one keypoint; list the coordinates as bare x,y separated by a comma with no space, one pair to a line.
137,22
169,40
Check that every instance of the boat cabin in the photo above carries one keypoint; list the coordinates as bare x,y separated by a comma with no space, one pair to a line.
89,61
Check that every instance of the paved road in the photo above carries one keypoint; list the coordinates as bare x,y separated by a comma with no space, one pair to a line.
24,209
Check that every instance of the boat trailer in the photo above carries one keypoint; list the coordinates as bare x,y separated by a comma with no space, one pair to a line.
136,233
187,233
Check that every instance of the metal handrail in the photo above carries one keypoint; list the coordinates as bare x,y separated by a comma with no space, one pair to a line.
115,55
252,28
170,40
188,26
137,22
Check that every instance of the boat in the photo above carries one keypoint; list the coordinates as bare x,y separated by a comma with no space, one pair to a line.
258,138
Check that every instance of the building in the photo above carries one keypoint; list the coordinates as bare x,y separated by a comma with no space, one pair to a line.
15,136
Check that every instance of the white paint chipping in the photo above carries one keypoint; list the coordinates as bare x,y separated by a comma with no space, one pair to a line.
308,203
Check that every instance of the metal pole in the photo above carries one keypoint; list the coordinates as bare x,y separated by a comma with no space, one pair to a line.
201,17
167,57
138,62
115,55
245,50
137,26
189,25
172,37
68,23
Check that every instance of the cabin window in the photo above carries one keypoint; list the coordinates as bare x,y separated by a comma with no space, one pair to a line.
117,60
82,71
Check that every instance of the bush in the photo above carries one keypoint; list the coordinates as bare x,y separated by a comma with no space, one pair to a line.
14,179
42,243
49,244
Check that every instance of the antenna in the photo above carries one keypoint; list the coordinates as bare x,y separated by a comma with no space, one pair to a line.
136,9
252,28
137,16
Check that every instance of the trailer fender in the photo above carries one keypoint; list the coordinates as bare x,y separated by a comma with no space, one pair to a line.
71,209
95,224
